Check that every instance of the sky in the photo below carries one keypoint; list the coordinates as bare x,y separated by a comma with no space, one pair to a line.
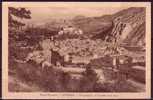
42,15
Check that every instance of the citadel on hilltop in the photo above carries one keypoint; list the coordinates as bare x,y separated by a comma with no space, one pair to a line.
70,30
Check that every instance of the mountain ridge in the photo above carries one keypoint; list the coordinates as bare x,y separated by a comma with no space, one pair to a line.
100,27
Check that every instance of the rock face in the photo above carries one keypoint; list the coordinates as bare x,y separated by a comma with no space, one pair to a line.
102,27
134,31
137,35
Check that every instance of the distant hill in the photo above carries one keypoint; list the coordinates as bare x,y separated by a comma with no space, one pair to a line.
93,26
79,17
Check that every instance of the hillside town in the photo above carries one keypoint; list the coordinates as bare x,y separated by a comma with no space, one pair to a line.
77,57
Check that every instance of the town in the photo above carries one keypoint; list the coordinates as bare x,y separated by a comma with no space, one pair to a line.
69,59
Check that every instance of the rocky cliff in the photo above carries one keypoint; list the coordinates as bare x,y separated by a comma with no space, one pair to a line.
101,27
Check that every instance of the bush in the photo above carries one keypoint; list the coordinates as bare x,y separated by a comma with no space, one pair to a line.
89,80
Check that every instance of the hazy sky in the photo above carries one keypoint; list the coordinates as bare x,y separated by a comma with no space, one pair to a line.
42,14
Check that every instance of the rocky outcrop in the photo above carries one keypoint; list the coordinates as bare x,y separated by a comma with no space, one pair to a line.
134,31
137,35
102,27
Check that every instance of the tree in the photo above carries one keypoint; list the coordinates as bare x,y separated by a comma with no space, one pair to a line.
14,24
20,13
89,80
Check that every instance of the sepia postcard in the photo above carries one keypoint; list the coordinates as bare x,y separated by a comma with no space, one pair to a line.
76,50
